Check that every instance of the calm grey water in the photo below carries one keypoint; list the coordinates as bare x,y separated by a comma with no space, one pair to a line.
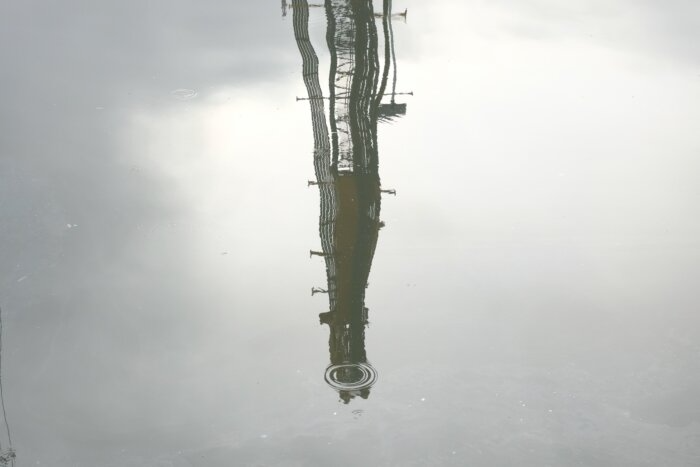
529,296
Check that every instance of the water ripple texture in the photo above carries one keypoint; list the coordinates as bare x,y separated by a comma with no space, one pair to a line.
351,376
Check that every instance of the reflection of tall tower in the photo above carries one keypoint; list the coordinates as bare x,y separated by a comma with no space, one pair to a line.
346,166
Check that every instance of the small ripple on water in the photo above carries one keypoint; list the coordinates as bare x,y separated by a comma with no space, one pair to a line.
351,376
184,94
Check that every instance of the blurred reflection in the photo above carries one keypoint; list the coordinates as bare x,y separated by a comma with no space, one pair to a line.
346,167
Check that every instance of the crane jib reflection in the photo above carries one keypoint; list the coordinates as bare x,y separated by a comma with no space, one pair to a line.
346,160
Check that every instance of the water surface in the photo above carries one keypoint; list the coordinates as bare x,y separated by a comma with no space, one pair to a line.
504,270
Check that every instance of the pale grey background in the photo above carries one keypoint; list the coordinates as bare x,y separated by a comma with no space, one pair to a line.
533,299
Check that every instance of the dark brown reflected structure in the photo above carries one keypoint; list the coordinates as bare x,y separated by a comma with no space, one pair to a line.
346,163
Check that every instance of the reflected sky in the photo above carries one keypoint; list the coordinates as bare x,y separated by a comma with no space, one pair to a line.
532,294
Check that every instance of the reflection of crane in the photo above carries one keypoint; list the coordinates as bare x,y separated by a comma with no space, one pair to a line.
346,166
286,5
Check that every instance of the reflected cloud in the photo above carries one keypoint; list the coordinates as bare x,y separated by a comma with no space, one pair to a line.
346,163
76,81
86,212
660,29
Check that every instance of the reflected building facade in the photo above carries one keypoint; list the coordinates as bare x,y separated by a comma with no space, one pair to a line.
346,160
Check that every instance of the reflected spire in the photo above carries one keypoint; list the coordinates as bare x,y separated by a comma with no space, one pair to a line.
346,164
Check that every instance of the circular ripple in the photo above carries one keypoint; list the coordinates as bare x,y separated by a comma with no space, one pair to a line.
351,376
184,94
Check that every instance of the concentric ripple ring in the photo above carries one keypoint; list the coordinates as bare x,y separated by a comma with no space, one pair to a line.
351,376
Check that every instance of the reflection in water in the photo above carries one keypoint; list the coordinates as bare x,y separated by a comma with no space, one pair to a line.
346,166
7,453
